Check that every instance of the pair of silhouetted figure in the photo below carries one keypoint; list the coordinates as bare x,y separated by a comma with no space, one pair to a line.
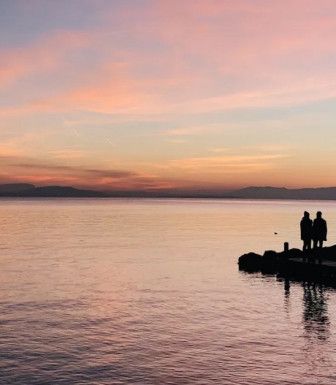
313,230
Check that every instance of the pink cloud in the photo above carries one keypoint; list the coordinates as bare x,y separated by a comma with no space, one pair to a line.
214,55
249,47
46,54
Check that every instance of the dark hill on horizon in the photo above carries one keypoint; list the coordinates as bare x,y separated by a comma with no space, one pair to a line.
15,187
25,190
268,192
22,190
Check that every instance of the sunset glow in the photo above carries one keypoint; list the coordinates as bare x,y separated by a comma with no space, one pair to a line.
168,94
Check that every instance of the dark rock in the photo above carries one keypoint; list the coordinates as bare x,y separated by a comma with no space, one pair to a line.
294,253
328,253
313,265
270,255
250,262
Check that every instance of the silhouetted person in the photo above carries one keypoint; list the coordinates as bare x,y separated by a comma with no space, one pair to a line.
306,227
319,230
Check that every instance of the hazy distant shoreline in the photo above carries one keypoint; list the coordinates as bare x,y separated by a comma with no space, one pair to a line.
25,190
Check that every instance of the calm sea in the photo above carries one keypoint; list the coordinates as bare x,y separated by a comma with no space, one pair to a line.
148,292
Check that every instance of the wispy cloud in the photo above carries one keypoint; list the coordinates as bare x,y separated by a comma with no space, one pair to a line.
191,131
138,77
46,54
226,164
19,168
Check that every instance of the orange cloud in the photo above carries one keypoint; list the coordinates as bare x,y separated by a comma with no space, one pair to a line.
18,168
226,164
191,131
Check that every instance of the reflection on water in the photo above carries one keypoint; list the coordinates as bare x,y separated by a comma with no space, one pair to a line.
287,295
148,292
316,326
315,309
315,313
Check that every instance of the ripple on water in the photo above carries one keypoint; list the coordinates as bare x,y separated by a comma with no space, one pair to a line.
148,292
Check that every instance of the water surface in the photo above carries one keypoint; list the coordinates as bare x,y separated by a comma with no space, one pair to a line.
126,291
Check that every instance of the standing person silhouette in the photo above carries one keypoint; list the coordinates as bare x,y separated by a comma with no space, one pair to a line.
319,230
306,227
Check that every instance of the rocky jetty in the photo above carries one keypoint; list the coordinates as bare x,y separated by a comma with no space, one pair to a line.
315,265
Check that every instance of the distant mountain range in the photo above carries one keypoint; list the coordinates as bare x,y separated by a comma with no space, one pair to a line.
30,191
284,193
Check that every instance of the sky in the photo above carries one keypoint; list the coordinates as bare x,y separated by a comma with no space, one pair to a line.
168,94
